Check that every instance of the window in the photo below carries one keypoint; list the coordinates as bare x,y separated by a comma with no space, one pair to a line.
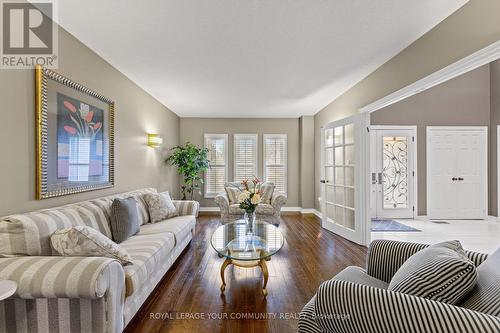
216,175
275,160
245,156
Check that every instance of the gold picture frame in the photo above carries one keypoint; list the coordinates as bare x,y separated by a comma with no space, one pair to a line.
74,137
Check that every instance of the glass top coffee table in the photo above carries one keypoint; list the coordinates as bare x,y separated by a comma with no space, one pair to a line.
247,245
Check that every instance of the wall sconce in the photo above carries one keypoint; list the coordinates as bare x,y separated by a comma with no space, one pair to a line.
154,140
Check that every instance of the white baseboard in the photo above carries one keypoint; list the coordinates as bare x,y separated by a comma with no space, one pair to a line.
283,209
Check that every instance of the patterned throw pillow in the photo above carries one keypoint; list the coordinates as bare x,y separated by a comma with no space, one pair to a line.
441,272
86,241
160,206
232,193
266,192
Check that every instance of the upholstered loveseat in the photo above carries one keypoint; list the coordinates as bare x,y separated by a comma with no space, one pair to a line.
85,294
357,300
266,212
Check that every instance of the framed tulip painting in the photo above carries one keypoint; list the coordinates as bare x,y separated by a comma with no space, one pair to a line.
75,139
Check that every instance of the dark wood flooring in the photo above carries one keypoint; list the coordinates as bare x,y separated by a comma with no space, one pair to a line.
188,298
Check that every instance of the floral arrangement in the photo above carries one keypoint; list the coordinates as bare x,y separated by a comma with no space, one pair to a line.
249,198
82,118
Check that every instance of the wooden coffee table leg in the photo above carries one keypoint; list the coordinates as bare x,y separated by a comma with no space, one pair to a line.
263,266
226,263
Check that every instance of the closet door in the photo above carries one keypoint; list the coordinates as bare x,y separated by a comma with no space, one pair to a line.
457,172
441,166
471,172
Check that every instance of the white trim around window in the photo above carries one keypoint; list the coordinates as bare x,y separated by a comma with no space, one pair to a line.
213,178
276,160
245,158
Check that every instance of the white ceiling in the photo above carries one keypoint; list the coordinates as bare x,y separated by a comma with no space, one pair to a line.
249,58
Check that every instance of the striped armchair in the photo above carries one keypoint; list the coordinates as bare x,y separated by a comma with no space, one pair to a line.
356,300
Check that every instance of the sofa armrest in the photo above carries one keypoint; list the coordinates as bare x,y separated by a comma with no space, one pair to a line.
62,277
343,306
278,200
187,207
222,201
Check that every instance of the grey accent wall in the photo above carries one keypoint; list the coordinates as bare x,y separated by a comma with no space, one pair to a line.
494,121
137,113
471,28
193,130
462,101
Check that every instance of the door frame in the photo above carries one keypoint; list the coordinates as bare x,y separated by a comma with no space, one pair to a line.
458,128
498,173
414,128
362,193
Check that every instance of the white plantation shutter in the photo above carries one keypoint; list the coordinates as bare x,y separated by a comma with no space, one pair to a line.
245,156
275,160
216,175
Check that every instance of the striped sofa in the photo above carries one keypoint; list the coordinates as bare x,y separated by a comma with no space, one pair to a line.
357,300
85,294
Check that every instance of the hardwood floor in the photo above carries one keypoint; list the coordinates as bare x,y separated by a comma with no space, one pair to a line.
188,298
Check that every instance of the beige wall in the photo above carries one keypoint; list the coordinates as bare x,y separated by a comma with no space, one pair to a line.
471,28
193,129
136,165
462,101
306,134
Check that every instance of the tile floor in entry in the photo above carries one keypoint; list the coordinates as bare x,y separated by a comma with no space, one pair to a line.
475,235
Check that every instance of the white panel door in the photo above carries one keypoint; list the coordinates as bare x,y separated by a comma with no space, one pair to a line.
344,178
457,172
393,171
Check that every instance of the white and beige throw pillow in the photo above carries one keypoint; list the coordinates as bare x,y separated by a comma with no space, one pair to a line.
160,206
87,242
232,193
266,192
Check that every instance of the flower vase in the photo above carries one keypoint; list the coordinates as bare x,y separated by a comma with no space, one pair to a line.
250,221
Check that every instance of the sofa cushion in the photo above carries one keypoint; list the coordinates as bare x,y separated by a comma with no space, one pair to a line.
263,209
29,234
147,252
99,210
441,272
179,226
124,219
84,241
485,297
359,276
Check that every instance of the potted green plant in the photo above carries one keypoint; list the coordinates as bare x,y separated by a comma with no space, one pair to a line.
190,161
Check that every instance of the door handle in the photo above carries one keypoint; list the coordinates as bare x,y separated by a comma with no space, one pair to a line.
322,181
380,177
374,178
454,179
460,178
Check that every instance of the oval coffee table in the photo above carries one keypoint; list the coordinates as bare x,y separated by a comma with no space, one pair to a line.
247,246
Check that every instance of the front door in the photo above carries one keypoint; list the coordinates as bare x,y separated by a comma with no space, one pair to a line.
393,171
343,184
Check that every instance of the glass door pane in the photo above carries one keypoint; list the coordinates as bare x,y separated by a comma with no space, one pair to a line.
395,172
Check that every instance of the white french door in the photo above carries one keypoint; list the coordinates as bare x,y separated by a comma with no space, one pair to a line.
393,171
457,172
344,193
